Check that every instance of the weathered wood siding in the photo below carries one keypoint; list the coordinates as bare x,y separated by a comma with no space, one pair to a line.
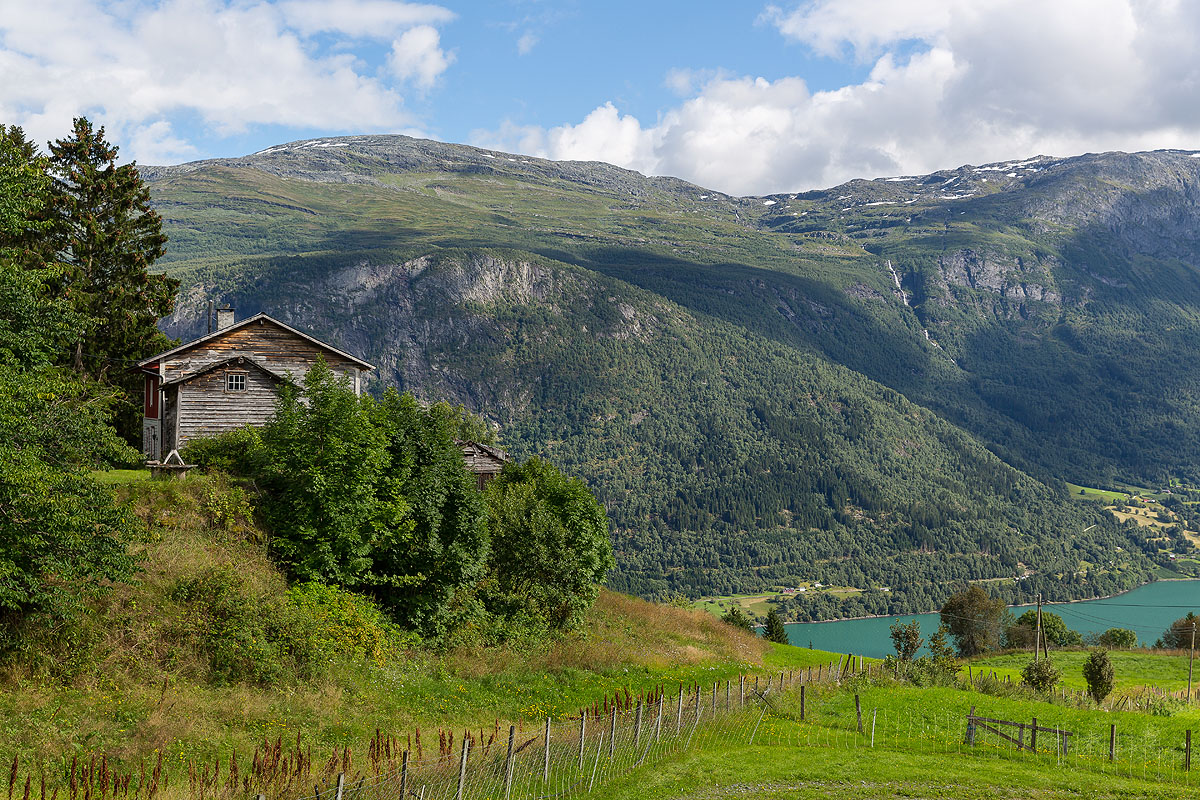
206,408
170,416
276,348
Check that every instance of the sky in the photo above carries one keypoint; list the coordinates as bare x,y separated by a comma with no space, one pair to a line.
743,96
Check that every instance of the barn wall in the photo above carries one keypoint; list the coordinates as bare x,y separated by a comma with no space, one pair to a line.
207,409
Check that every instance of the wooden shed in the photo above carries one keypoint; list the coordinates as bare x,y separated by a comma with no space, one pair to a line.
228,379
483,460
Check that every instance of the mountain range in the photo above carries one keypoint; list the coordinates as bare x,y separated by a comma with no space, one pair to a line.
880,386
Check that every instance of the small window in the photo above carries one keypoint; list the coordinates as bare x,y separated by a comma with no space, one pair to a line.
235,381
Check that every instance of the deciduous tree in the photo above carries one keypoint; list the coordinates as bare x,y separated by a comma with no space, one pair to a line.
975,620
549,544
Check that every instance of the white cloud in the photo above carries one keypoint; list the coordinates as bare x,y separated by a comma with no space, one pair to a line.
232,64
951,82
418,56
381,19
526,43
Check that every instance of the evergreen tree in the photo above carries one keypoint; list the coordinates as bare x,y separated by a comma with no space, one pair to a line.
737,619
774,631
101,227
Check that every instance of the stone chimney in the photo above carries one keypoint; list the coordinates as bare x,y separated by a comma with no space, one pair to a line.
225,317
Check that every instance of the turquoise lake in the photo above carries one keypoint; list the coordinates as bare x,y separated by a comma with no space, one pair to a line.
1147,610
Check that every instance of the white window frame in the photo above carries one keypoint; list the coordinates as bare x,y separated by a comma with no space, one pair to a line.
233,378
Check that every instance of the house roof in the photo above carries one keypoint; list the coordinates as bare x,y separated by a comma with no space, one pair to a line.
184,378
487,450
238,325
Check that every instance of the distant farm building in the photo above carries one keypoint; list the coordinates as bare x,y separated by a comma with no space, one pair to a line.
228,379
483,460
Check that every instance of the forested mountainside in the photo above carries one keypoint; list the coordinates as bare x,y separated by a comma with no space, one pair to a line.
762,390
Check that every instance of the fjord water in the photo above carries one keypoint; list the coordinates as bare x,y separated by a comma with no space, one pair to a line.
1147,610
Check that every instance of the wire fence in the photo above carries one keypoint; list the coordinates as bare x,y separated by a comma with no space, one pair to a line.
818,708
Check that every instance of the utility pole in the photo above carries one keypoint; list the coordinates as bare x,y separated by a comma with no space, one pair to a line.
1191,658
1037,639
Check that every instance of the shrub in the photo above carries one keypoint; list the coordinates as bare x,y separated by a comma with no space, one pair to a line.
906,639
1099,674
737,619
234,452
1041,675
345,624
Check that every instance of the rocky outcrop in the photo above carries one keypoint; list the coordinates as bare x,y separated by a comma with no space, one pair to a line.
1012,278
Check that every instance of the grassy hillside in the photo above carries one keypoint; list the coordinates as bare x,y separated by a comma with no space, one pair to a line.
150,668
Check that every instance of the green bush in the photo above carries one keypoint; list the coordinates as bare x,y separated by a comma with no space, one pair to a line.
345,624
549,545
1099,673
1041,675
245,636
233,451
1118,638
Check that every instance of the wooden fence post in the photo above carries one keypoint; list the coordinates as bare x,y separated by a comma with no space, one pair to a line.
403,776
714,706
1033,735
1187,751
874,711
802,702
508,764
341,784
582,734
728,696
679,712
546,755
1112,742
742,692
462,768
658,725
858,711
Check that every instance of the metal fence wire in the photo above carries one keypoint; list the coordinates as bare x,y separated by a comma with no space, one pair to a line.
581,754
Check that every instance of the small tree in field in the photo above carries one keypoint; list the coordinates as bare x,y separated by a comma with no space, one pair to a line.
906,639
1099,674
1041,675
774,631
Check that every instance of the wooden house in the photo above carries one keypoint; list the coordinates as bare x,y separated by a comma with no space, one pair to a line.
228,379
483,460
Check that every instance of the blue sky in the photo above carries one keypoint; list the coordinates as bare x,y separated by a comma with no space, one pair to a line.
746,97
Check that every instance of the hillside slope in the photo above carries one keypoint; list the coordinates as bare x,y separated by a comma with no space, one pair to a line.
718,367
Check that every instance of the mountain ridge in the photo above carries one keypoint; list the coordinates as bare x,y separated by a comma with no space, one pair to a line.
562,298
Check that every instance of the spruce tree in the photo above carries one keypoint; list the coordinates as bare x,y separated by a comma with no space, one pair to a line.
774,631
101,227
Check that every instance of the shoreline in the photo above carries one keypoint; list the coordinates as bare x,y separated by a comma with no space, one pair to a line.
1028,605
